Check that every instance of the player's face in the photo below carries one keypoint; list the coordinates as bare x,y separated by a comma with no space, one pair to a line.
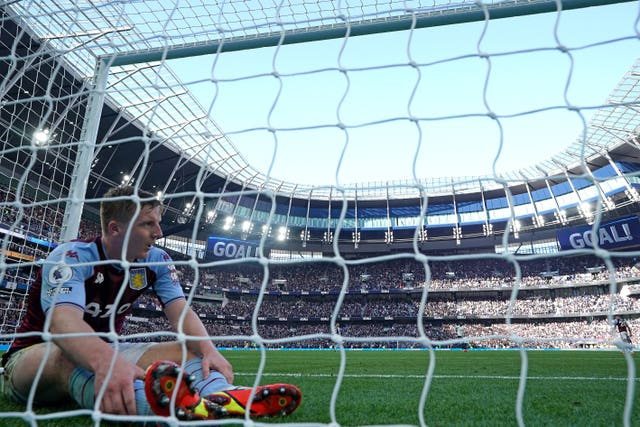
145,230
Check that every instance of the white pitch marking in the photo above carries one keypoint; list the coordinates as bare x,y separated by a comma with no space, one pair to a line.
487,377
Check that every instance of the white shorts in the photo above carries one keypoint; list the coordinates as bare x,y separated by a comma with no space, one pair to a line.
625,337
130,351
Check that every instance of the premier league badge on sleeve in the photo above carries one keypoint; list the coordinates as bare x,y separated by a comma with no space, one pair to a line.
59,273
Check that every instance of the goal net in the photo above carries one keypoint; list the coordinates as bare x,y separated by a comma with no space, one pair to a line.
425,175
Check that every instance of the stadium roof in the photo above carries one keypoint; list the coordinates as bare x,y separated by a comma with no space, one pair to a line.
134,36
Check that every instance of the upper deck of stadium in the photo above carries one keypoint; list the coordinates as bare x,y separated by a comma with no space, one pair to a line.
51,55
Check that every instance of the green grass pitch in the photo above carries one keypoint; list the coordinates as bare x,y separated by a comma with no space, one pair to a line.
475,388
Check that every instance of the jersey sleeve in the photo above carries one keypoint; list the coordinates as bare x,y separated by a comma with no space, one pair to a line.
63,275
167,286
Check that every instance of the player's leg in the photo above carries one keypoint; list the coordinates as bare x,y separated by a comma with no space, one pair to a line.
172,351
168,382
187,393
162,383
53,383
163,380
81,381
60,378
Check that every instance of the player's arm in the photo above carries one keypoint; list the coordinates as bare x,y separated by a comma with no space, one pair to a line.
169,291
63,298
192,326
92,353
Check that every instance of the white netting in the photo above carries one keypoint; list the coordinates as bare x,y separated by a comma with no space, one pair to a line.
404,258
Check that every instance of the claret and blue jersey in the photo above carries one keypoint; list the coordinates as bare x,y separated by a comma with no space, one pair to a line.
79,274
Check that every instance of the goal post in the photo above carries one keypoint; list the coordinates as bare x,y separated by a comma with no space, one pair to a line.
398,16
85,154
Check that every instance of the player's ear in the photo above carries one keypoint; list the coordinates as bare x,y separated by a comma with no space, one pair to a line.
114,228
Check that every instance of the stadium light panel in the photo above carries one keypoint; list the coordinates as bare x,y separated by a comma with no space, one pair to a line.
126,179
355,237
41,137
283,233
561,216
211,216
457,235
585,208
228,223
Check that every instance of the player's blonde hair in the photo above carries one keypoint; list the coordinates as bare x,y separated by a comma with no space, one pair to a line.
123,206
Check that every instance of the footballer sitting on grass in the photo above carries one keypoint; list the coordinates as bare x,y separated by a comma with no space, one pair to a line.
85,285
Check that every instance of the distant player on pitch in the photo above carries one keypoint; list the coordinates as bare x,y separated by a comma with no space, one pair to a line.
83,288
623,329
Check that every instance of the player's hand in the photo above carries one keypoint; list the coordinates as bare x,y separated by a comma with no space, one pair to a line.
214,360
119,397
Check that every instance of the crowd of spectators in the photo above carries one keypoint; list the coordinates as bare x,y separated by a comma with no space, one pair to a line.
390,320
384,306
26,216
582,290
469,273
531,335
36,219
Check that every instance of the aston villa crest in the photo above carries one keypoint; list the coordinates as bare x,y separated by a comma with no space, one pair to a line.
138,279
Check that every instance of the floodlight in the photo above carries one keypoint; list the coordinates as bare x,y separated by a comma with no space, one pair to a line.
457,234
515,228
283,233
41,137
228,223
562,217
609,203
585,208
632,194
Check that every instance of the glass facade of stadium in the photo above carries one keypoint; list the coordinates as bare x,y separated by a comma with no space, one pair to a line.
550,206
